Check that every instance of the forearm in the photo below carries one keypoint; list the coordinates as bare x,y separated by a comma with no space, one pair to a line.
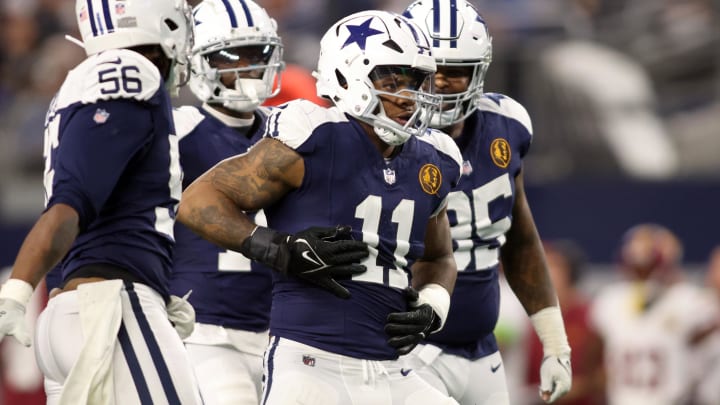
527,275
47,243
441,270
435,280
523,259
214,216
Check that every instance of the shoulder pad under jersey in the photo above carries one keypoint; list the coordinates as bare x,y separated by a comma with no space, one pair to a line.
507,107
293,123
443,143
113,74
186,119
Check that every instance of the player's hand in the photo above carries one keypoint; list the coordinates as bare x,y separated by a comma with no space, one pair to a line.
318,254
12,321
407,329
555,377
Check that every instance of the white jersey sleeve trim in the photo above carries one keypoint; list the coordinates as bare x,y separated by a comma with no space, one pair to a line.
110,75
295,123
186,119
507,107
445,144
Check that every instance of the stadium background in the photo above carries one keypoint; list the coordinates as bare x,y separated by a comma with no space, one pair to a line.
624,97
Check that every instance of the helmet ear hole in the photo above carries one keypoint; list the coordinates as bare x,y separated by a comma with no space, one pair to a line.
393,45
171,24
340,79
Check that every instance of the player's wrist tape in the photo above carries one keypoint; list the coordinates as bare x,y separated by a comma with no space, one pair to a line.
16,289
438,298
548,324
263,245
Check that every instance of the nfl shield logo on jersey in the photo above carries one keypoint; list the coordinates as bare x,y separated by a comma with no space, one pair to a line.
100,116
466,168
308,360
389,175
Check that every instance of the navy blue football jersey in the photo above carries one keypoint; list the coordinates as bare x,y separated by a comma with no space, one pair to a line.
111,153
387,202
227,289
493,142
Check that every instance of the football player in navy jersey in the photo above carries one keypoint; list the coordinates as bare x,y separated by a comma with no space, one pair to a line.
112,183
364,181
236,59
490,219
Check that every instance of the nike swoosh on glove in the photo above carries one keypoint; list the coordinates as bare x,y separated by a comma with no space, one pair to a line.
318,255
407,329
12,321
555,376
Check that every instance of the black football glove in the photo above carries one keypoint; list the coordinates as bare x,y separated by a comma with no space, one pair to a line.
317,254
407,329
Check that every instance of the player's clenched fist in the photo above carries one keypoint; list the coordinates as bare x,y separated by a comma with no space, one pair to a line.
317,254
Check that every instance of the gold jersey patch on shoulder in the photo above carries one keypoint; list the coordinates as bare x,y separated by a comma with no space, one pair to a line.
430,178
500,152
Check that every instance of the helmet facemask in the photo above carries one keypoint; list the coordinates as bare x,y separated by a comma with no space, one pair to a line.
255,68
390,50
398,85
237,59
460,39
456,107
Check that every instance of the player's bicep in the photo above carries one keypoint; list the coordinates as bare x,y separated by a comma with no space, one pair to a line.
257,178
438,240
437,265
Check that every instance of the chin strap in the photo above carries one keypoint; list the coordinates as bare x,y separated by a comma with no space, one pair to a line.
75,41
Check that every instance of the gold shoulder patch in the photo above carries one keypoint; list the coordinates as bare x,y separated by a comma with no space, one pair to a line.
430,178
500,152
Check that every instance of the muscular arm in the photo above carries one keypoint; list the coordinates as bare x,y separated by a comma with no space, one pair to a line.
523,258
438,262
213,205
47,243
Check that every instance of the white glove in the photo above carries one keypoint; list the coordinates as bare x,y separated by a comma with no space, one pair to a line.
555,370
14,296
555,377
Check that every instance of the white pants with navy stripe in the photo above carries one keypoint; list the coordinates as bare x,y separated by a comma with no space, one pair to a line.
470,382
149,362
298,374
228,364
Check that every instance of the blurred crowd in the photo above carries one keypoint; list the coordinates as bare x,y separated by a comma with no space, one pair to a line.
615,88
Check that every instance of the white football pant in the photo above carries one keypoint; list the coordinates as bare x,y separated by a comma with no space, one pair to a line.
298,374
148,365
228,364
476,382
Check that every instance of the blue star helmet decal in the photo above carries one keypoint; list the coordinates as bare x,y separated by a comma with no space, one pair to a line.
360,33
495,97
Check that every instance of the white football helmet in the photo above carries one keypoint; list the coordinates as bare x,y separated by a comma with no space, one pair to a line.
350,52
118,24
225,31
459,38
